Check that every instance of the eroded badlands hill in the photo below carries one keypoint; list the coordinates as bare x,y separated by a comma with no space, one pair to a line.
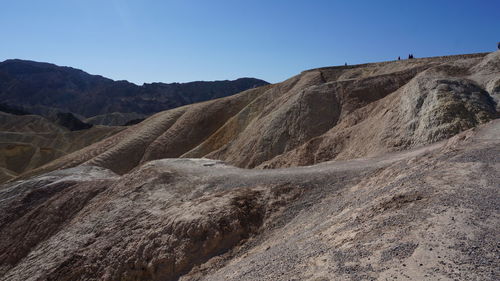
386,171
426,214
30,141
319,115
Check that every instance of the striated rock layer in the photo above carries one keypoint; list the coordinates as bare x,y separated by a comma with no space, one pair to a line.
319,115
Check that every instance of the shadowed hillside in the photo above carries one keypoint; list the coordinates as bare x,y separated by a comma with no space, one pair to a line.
45,89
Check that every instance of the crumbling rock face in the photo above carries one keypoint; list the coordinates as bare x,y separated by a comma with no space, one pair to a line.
168,246
495,94
431,107
155,223
444,107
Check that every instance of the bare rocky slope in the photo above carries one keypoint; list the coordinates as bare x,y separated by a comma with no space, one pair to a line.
385,171
319,115
114,119
30,141
426,214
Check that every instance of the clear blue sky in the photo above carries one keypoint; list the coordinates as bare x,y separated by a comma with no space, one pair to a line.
186,40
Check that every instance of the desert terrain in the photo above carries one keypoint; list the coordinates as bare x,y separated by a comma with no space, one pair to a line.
381,171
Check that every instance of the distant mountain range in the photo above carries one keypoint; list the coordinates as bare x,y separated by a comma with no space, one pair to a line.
46,89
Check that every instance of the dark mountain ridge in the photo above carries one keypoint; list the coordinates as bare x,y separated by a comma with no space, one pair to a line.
45,88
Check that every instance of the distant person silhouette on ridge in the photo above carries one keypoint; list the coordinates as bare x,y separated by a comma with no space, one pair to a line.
399,58
498,45
346,64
